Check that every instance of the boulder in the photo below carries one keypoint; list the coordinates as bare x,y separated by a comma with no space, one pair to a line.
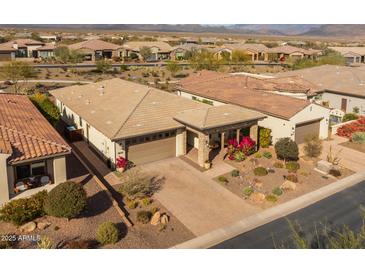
324,166
43,225
257,197
155,220
28,227
164,219
288,185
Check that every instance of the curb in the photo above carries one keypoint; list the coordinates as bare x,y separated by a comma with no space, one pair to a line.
222,234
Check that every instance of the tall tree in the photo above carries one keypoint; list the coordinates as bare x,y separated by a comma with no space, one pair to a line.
17,71
145,53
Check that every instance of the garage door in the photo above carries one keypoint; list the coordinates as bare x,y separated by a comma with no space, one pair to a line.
152,151
302,131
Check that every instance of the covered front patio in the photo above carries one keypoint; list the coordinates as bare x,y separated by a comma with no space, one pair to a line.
208,130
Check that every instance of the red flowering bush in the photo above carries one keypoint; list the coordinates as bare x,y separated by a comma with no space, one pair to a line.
237,151
122,162
348,129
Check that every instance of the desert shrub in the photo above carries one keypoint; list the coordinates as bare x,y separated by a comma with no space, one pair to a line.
239,156
265,137
247,191
277,191
144,216
358,137
146,201
335,172
260,171
303,172
107,233
313,146
21,211
292,166
271,198
44,243
138,184
235,173
286,149
267,154
66,200
292,178
222,179
278,165
258,155
349,117
132,204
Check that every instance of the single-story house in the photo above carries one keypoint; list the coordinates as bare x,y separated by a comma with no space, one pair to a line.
285,116
339,87
284,52
19,48
32,153
256,52
159,50
96,49
120,118
46,51
179,52
352,54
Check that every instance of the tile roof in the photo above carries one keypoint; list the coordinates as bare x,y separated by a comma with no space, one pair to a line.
341,79
94,44
287,49
217,116
48,46
349,50
26,131
246,46
8,46
136,46
243,91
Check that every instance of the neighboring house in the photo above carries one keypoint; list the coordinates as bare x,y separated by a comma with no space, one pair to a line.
46,51
352,54
96,49
142,124
19,48
286,116
32,153
159,50
49,37
256,52
340,87
284,52
179,52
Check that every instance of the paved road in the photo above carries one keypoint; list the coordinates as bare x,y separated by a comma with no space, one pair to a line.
341,208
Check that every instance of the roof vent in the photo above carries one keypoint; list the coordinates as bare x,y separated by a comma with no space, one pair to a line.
138,125
108,122
154,103
80,96
88,102
92,112
226,114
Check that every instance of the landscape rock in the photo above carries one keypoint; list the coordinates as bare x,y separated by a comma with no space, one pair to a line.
28,227
257,197
324,166
288,185
164,219
155,220
43,225
259,185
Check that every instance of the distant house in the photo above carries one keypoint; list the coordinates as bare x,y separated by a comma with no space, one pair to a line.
352,54
46,51
179,52
285,116
49,37
96,49
255,52
159,50
284,52
20,48
32,153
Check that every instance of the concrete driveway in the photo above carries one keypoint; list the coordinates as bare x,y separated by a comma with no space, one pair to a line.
200,203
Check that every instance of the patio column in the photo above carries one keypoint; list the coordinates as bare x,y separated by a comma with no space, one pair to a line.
203,151
4,181
238,135
180,142
222,140
254,133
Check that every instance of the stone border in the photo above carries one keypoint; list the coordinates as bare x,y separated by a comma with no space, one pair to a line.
220,235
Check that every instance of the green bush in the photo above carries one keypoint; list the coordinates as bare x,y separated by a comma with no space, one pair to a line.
235,173
260,171
239,156
247,191
313,146
349,117
146,201
222,179
277,191
132,204
292,166
265,137
21,211
46,107
335,172
267,154
258,155
358,137
271,198
144,216
286,149
107,233
278,165
66,200
292,178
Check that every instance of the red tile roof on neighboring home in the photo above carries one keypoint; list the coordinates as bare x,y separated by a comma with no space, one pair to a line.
47,47
22,43
287,49
94,45
243,91
26,132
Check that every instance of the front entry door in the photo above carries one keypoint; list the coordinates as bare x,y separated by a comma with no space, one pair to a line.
343,104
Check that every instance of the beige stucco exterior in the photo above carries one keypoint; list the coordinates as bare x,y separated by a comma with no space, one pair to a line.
4,186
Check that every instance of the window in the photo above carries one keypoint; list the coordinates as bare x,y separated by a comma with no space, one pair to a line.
34,169
38,169
80,121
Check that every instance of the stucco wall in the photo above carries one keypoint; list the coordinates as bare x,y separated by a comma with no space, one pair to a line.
59,170
335,102
181,135
280,128
4,186
190,96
